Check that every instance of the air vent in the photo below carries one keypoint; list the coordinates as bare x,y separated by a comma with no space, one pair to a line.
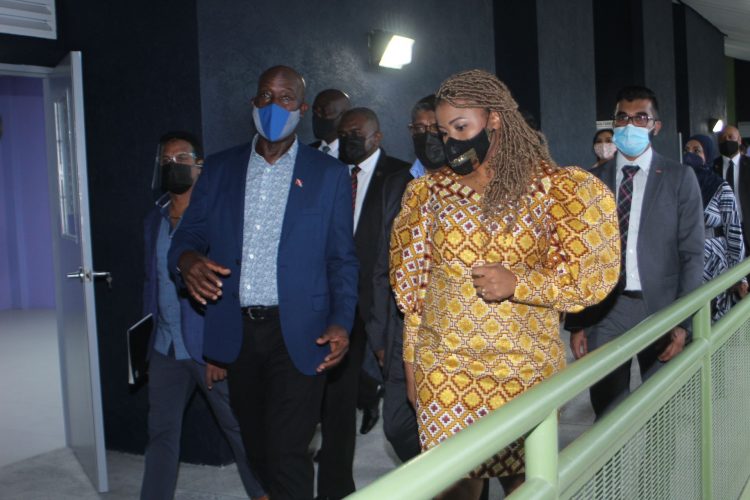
28,17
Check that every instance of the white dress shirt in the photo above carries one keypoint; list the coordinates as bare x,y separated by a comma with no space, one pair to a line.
333,145
363,181
736,181
632,276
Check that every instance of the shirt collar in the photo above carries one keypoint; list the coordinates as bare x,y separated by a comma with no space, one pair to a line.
334,144
735,159
417,170
291,152
643,161
369,163
163,203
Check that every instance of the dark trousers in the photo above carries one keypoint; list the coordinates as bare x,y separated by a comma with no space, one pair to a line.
399,420
171,383
338,419
276,406
625,314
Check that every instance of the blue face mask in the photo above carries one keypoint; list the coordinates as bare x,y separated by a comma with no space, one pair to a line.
692,160
631,140
274,122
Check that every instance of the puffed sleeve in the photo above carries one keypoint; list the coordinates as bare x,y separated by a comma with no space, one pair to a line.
582,263
410,258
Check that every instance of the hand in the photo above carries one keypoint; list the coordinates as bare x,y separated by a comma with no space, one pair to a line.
678,336
214,374
578,344
411,384
381,357
199,274
493,281
338,339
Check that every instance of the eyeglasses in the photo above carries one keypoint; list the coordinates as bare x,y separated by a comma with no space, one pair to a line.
638,119
184,158
418,128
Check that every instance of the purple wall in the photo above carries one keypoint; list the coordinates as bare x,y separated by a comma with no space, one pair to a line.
26,270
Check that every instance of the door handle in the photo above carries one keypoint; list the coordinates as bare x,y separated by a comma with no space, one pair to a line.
84,275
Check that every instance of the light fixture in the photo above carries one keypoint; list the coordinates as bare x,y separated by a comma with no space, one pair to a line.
388,50
716,124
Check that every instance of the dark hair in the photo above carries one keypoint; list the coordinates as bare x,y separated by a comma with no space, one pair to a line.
182,135
633,92
427,103
599,132
366,112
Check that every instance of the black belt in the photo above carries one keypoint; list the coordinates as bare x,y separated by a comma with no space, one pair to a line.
633,294
260,313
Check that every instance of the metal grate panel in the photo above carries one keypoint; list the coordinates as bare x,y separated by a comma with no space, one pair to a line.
730,398
662,460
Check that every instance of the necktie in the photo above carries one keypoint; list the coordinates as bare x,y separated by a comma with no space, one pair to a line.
355,171
326,149
730,175
624,200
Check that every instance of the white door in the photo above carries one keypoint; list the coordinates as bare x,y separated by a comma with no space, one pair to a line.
76,313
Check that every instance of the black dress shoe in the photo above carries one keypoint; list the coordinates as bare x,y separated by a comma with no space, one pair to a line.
370,417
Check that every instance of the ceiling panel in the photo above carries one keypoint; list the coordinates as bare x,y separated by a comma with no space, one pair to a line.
731,17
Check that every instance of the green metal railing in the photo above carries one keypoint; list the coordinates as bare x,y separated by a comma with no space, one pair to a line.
684,433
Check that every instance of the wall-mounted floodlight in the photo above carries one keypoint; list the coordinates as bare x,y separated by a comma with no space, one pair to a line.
388,50
717,125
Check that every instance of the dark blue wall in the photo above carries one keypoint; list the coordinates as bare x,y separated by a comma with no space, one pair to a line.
701,73
327,43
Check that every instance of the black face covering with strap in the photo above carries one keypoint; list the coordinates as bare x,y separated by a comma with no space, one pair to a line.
429,150
176,177
461,154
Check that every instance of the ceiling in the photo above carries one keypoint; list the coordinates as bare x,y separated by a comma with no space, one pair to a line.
731,17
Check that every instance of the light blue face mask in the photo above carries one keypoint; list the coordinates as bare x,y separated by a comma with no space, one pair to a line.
274,122
631,140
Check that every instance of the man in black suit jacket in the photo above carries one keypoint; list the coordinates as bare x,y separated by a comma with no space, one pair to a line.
734,168
662,239
328,108
385,324
359,147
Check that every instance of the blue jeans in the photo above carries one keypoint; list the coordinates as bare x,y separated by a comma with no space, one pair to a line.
171,383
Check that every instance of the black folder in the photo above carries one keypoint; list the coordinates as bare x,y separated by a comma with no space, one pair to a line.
139,336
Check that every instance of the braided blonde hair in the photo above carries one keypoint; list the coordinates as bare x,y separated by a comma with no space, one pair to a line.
520,152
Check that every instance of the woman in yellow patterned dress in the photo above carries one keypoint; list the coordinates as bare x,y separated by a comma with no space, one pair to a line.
484,257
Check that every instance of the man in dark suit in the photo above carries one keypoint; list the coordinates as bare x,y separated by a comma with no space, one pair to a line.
734,168
267,246
359,147
328,108
661,229
385,324
176,352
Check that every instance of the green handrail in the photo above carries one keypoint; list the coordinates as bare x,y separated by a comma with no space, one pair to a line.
433,471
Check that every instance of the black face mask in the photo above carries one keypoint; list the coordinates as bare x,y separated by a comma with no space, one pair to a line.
323,127
176,177
429,150
729,148
460,154
352,149
692,160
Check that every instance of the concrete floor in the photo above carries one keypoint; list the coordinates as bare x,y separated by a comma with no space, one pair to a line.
57,475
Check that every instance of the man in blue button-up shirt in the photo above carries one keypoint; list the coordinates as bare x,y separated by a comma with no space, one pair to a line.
176,364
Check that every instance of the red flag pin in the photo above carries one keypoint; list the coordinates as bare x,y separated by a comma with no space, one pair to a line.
298,182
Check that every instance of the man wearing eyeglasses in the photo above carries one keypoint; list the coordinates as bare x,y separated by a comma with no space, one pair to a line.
328,108
385,324
176,364
347,386
661,233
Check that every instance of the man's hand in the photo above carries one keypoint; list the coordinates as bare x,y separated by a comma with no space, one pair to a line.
578,344
214,374
678,336
338,339
741,289
493,281
200,276
411,384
